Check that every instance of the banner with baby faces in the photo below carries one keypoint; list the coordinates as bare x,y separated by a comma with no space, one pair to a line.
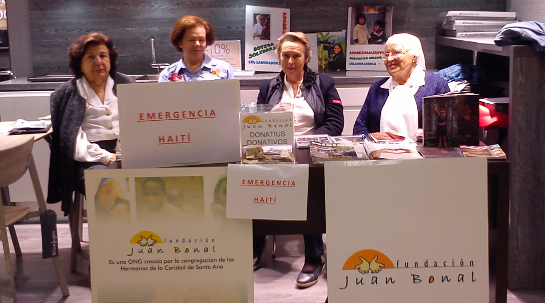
407,231
267,191
161,235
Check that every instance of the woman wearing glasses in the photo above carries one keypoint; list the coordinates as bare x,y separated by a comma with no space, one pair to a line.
395,103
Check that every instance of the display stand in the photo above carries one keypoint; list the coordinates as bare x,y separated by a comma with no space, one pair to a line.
526,99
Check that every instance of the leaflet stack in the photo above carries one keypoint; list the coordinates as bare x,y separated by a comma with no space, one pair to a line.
475,24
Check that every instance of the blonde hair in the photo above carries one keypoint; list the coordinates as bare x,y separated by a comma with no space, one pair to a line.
297,37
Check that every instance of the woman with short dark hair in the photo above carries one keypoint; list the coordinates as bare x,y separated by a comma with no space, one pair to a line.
190,36
85,118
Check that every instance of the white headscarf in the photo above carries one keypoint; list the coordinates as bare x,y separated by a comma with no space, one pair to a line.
400,113
412,45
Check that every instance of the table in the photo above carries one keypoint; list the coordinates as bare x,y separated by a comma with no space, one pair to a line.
498,217
4,128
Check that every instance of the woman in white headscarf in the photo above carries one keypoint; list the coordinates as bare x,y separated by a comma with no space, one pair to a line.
395,103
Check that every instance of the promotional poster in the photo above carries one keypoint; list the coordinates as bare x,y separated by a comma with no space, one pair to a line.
161,235
368,29
228,51
331,51
263,26
410,229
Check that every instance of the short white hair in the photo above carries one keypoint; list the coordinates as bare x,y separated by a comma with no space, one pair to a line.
412,44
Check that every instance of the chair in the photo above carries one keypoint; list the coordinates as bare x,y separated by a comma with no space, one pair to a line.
15,159
75,220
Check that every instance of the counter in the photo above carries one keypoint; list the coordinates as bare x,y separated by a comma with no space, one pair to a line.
341,78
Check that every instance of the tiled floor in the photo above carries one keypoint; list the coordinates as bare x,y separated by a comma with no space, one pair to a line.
274,283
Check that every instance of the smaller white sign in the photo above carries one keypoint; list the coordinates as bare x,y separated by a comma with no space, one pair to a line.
270,192
226,50
266,128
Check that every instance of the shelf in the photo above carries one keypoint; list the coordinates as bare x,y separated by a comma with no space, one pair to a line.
485,45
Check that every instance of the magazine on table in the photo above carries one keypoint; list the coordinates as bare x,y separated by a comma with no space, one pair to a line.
304,141
322,152
440,152
348,140
29,127
406,149
386,137
493,151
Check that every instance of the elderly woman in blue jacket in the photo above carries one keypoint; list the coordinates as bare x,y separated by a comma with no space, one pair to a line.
395,103
317,110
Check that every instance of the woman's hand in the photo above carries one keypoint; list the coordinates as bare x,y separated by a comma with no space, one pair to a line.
113,157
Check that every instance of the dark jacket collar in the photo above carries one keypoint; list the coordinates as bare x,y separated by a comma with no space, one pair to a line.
308,79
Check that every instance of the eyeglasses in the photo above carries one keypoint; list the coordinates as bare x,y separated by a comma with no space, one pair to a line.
394,54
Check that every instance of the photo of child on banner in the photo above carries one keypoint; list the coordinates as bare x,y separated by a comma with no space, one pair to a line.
169,197
368,29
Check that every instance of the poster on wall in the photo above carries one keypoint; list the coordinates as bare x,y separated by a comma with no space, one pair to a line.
226,50
313,40
331,51
263,26
418,232
169,124
368,29
161,235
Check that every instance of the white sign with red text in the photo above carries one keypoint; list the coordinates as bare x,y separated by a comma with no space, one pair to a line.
270,192
168,124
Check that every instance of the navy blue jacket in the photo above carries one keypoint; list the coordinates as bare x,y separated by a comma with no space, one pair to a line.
320,93
368,120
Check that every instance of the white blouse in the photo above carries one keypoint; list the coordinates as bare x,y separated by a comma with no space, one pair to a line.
303,115
400,113
100,122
